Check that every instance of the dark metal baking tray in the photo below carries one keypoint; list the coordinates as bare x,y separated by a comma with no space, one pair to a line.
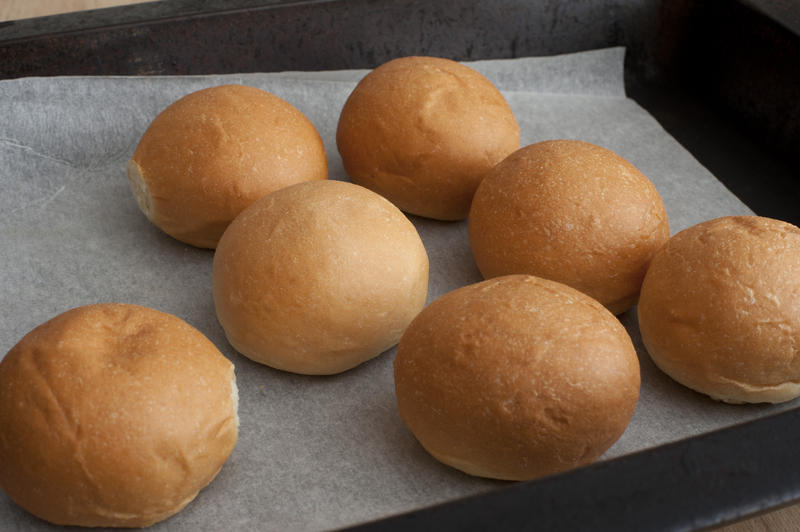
723,77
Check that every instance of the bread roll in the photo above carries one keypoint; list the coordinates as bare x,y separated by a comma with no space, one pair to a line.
318,277
214,152
113,415
423,132
573,212
516,378
720,309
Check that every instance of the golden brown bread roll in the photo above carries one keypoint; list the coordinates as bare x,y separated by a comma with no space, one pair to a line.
318,277
423,132
573,212
214,152
516,377
720,309
113,415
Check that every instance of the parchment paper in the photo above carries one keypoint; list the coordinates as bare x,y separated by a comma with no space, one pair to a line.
314,452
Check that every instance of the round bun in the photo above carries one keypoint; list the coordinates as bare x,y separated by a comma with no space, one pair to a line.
214,152
319,277
113,415
572,212
720,309
423,132
516,378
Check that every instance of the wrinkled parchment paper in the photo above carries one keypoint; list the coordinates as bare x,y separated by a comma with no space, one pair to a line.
314,452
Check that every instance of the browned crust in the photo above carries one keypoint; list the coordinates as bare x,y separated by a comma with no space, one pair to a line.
720,309
423,132
516,378
573,212
113,415
214,152
319,277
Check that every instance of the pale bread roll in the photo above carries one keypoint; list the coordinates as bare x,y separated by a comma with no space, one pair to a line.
318,277
113,415
215,151
573,212
516,378
720,309
423,132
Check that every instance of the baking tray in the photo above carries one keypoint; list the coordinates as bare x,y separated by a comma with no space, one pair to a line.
686,71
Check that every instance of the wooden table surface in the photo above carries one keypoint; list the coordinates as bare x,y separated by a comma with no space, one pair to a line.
783,520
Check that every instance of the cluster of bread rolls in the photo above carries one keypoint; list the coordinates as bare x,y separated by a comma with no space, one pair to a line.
496,378
116,415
